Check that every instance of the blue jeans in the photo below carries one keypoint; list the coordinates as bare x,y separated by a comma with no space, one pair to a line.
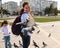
26,41
7,42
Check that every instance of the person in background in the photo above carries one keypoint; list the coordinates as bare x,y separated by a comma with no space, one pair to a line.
6,30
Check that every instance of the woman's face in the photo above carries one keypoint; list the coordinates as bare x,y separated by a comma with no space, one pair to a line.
27,8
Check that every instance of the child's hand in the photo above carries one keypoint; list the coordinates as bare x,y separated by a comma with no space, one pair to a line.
9,32
3,33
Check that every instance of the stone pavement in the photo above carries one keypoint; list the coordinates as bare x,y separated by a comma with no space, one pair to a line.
45,29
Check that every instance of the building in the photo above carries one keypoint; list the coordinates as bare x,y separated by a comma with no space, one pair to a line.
0,4
52,2
10,6
38,6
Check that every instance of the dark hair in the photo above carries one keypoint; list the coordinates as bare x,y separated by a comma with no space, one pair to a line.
4,22
25,3
22,10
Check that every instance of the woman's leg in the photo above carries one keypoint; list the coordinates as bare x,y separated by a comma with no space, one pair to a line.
26,41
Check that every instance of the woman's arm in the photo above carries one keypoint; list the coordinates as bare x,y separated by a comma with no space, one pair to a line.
24,18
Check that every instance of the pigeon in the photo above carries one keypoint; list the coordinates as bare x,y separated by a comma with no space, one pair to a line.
44,44
49,35
38,31
15,46
53,25
35,44
20,43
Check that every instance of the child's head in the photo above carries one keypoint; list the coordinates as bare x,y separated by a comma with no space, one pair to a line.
4,23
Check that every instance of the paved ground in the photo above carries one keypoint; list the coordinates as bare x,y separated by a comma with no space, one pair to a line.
45,29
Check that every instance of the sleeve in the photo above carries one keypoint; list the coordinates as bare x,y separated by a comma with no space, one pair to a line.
9,28
24,18
2,30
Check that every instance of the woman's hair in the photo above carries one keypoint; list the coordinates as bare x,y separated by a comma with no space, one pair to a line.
4,22
22,10
25,3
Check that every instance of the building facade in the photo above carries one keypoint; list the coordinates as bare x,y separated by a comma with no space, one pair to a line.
0,3
52,2
38,6
10,6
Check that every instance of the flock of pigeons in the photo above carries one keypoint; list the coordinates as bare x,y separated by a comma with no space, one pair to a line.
34,43
16,46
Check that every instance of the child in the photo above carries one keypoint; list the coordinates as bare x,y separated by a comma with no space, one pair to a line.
6,29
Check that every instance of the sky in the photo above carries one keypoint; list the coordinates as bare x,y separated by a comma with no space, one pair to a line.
18,1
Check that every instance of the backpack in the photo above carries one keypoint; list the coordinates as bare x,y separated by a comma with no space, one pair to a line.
16,29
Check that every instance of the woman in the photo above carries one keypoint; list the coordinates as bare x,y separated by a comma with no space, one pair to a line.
25,19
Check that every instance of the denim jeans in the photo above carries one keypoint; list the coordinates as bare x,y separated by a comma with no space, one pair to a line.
26,41
7,42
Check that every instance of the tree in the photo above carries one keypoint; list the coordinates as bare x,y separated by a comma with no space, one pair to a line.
51,10
55,11
58,11
47,10
4,11
0,11
15,13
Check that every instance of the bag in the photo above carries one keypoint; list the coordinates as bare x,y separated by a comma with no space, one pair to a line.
16,29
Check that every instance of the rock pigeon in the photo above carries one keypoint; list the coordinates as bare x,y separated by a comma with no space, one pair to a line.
49,35
53,25
16,46
20,43
44,44
35,44
38,31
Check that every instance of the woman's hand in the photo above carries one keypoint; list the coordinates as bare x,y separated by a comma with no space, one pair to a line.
31,32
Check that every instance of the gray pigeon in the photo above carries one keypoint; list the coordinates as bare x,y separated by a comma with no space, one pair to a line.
35,44
44,44
16,46
49,35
